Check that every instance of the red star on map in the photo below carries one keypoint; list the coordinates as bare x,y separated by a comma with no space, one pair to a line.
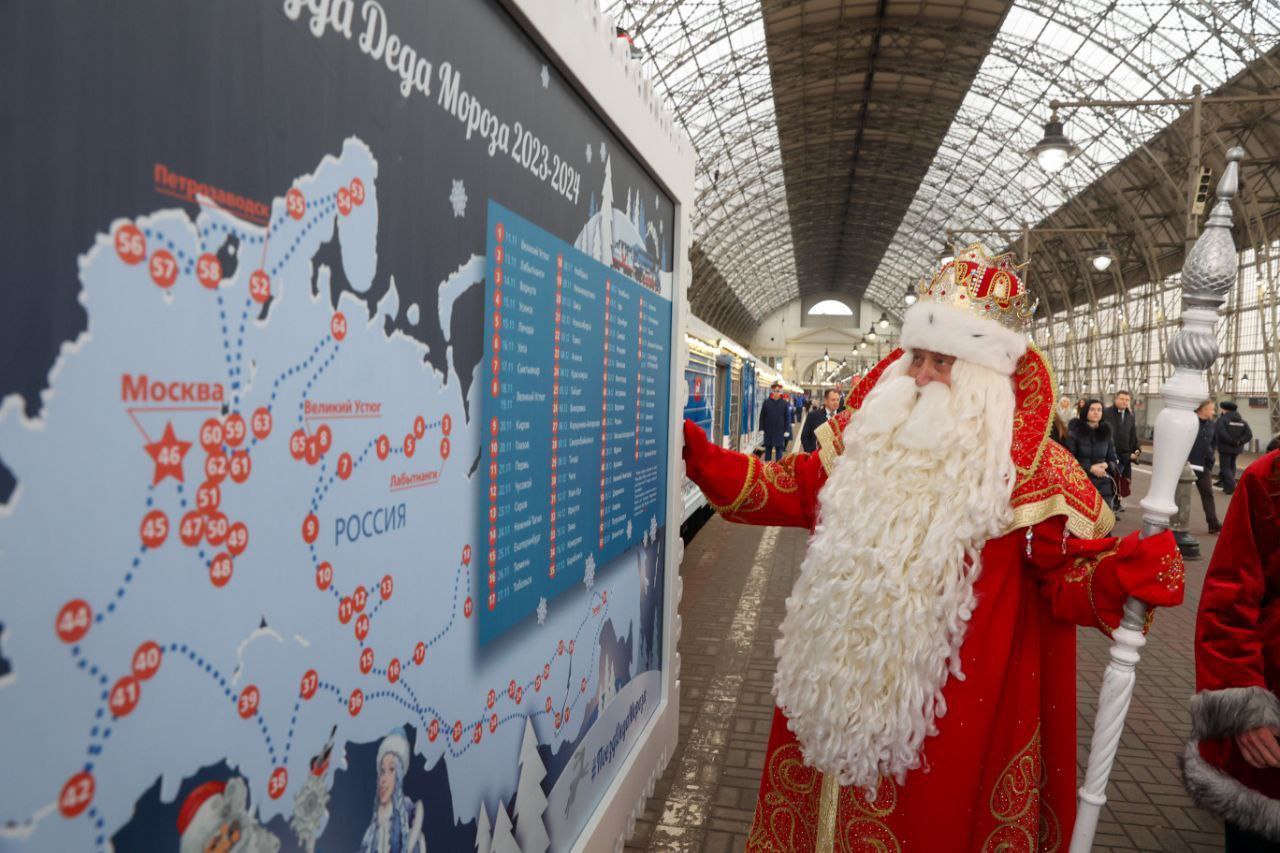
168,454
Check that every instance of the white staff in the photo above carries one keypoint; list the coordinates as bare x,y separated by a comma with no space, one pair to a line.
1207,276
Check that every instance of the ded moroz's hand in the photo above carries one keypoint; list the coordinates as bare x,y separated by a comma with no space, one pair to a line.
1259,746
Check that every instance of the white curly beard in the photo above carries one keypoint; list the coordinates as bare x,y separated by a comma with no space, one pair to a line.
876,619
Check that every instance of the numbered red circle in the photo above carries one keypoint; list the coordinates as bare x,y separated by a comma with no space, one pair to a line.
410,444
77,793
124,696
344,465
163,268
356,702
261,422
278,782
571,643
131,246
560,648
360,597
73,620
310,528
216,528
548,704
338,326
235,430
493,723
537,684
393,670
216,467
493,426
154,529
298,444
467,607
247,704
313,450
444,448
546,671
260,286
362,626
296,203
208,497
324,576
366,660
209,271
493,697
309,685
433,730
557,719
466,555
192,528
211,435
146,660
583,689
385,587
446,424
220,569
241,466
345,609
324,438
383,446
477,733
567,712
237,538
519,695
457,731
511,689
357,191
419,426
419,653
344,201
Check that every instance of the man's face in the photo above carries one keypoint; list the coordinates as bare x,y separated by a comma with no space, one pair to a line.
1206,411
386,778
775,392
928,366
832,400
227,837
1122,401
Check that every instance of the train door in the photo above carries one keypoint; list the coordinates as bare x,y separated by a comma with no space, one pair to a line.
748,384
732,422
723,372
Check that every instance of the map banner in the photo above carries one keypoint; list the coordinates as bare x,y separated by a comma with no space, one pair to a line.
264,582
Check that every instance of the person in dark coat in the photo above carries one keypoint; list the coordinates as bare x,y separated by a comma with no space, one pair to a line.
1231,435
775,420
818,417
1201,460
1089,440
1124,432
1231,766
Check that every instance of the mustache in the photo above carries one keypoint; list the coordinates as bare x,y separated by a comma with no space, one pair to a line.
911,416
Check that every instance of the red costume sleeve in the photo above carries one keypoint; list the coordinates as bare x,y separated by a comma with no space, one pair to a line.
1229,629
1086,581
743,489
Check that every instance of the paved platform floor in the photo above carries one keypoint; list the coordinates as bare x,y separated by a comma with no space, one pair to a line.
736,579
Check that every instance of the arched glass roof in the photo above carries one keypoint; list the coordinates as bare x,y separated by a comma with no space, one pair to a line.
712,60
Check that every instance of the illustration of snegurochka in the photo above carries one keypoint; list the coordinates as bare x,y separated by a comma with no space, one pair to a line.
396,825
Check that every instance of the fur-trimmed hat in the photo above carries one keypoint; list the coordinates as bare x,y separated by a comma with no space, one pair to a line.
975,308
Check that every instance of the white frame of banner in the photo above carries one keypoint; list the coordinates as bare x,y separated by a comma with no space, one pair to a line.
582,43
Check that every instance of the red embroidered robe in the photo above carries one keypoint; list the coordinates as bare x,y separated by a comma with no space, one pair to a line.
1000,773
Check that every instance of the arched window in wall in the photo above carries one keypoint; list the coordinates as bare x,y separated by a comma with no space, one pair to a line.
832,308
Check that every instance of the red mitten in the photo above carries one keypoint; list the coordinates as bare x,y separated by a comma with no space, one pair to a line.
718,472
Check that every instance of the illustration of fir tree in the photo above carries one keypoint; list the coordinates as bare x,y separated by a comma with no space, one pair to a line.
531,802
484,840
503,842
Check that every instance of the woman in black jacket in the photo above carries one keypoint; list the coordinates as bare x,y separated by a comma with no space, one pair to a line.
1091,443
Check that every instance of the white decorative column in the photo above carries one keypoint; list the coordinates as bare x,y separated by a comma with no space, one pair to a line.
1207,277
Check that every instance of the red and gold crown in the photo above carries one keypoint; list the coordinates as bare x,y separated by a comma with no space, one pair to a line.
987,286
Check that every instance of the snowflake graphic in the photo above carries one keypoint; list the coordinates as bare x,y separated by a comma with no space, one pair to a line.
602,152
588,153
628,530
657,203
546,77
653,528
542,611
458,198
589,572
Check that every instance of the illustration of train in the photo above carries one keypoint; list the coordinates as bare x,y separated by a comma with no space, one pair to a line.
727,385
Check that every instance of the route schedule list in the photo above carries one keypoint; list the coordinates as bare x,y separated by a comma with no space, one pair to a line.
575,383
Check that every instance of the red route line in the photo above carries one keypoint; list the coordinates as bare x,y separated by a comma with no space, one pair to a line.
136,423
210,204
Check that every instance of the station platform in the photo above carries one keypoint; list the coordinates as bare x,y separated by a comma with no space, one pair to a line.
736,580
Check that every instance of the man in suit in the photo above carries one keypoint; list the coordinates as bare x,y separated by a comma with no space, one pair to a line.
1124,432
818,417
775,420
